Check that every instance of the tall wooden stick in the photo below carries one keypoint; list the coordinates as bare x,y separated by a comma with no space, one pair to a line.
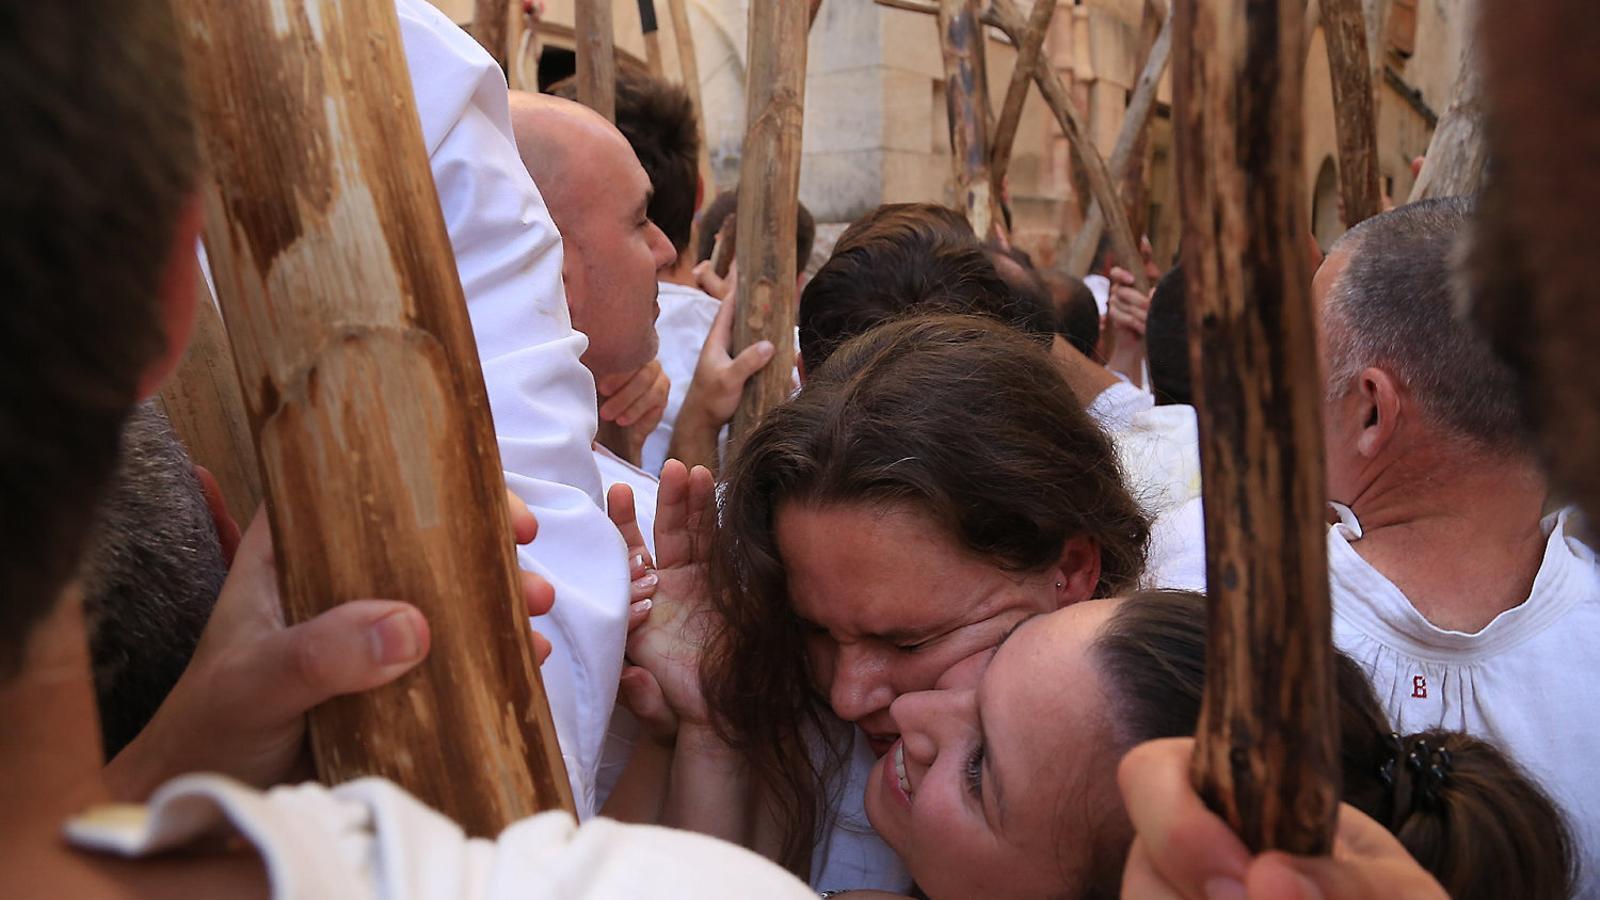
689,68
491,25
1267,755
652,37
1355,110
362,382
206,408
967,97
1135,122
595,39
1028,52
1003,14
1458,154
769,194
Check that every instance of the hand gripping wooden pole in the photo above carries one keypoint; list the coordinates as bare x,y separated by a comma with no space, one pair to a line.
597,57
362,381
1268,745
967,97
769,194
1355,109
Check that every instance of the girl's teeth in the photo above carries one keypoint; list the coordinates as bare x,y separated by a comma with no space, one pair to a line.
900,768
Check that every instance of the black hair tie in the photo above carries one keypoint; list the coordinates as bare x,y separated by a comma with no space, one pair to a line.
1428,768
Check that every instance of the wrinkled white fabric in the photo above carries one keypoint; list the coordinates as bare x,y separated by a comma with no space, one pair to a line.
851,855
1100,287
1524,682
1177,558
684,322
509,257
370,840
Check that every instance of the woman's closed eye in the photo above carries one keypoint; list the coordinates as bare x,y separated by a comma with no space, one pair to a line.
975,772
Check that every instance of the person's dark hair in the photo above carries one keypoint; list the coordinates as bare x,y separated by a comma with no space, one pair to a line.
930,219
1393,306
1077,315
657,117
150,576
726,204
905,264
1486,831
1166,339
957,417
97,164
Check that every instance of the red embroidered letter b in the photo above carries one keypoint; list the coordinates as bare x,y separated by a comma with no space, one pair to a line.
1419,687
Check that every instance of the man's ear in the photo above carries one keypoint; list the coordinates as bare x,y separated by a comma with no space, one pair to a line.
177,298
1077,572
1380,407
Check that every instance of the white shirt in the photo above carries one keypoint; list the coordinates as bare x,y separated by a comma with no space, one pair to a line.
509,258
1525,681
1100,287
851,855
370,839
683,325
1158,446
1177,558
616,470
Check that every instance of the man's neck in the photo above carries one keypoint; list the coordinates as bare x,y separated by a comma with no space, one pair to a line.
680,272
1460,537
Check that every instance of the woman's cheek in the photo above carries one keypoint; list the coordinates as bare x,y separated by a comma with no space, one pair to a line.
822,653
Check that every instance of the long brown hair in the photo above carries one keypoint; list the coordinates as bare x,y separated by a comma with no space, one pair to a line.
1484,829
959,417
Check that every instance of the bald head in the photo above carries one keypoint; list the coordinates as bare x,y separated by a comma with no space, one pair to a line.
598,195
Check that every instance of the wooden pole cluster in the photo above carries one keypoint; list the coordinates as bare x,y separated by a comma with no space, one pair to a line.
1267,756
1133,184
1135,123
595,39
1458,154
1003,14
492,25
967,98
1355,109
361,378
206,407
769,196
1028,53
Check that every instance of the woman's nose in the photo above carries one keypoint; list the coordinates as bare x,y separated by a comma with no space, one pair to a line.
860,684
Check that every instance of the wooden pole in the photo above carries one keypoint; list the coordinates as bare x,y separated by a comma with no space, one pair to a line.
769,195
1028,52
1131,183
1004,15
361,378
967,97
652,37
1135,123
595,39
1267,756
1459,151
689,67
1533,286
522,70
1355,111
206,408
491,25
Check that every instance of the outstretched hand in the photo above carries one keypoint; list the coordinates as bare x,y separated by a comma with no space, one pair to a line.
239,708
1182,850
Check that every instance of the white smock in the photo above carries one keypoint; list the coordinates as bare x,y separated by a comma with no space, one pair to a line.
542,398
1158,446
684,323
370,839
1525,682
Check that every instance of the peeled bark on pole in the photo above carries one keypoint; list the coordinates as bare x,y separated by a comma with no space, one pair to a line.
1005,16
206,407
491,25
1355,110
967,98
1458,154
595,39
769,194
362,382
1030,48
1533,285
1135,123
1267,755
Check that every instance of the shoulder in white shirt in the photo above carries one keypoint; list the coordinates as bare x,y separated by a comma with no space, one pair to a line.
1524,682
508,255
368,838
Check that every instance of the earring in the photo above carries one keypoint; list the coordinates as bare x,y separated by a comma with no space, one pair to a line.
1060,585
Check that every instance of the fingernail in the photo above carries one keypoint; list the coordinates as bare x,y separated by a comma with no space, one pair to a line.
640,607
637,561
1223,888
765,348
646,581
396,638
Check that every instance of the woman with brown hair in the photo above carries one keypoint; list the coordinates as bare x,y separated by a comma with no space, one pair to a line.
934,485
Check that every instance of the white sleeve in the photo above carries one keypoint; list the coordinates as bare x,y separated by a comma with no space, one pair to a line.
509,257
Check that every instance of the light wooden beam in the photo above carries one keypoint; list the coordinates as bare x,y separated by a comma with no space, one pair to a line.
595,38
1355,109
1458,154
769,195
1028,52
1267,755
362,383
966,95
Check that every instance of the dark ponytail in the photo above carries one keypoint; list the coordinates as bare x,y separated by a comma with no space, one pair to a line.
1464,810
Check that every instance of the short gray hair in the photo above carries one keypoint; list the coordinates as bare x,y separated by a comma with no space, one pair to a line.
1393,306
